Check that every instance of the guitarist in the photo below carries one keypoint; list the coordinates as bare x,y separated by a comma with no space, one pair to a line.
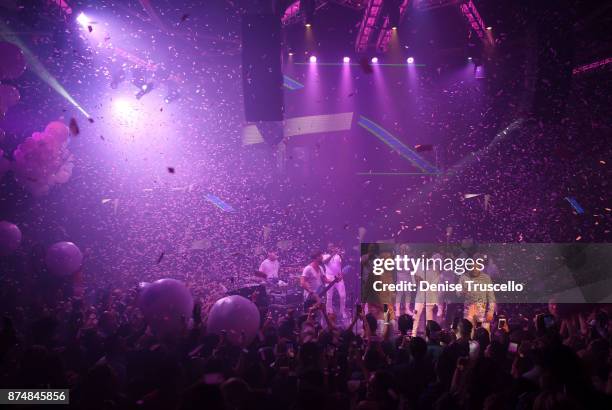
332,262
312,280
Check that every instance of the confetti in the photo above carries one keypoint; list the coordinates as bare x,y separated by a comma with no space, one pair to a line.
574,203
423,147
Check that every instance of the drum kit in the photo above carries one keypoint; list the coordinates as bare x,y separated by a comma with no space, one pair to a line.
277,295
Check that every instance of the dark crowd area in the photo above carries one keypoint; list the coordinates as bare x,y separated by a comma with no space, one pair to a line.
97,343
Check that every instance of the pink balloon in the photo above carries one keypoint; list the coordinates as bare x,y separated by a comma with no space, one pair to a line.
12,61
167,305
58,130
10,238
63,258
234,314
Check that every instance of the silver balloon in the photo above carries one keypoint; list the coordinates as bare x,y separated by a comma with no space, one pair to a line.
234,314
63,258
167,305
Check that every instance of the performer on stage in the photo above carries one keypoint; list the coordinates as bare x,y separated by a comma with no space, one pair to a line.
425,301
312,280
403,299
332,262
479,306
270,266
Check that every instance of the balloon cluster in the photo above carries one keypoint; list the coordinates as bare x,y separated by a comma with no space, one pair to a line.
43,159
12,65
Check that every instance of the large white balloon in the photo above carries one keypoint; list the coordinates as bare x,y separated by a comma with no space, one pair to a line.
63,258
234,314
166,304
10,238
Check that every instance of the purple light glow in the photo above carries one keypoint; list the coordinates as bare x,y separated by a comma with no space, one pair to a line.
83,20
313,59
410,60
346,60
374,60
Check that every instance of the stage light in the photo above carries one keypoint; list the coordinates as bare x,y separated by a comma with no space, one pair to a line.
308,25
313,59
144,90
125,111
346,60
470,58
489,28
374,60
410,60
392,8
307,8
38,68
83,20
290,54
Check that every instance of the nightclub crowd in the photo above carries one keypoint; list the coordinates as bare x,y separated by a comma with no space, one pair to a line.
512,154
99,345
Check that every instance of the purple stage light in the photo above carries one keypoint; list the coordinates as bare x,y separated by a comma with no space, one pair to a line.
83,20
346,60
125,112
374,60
410,60
313,59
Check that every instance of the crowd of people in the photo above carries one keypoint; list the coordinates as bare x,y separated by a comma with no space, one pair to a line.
99,346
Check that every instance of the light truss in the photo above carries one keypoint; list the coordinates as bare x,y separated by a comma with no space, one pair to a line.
423,5
293,15
385,34
469,11
592,66
369,23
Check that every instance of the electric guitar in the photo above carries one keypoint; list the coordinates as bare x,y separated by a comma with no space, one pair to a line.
311,300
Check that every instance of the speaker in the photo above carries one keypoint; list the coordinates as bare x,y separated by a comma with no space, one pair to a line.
262,78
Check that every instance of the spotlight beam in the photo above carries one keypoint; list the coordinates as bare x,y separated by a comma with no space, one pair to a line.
40,69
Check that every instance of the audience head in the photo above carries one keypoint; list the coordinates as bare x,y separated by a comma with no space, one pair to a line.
404,323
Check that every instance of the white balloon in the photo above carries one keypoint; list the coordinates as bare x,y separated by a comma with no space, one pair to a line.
63,258
234,314
10,238
166,304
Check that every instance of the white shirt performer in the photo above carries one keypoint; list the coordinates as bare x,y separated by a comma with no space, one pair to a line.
333,268
403,299
270,266
426,300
